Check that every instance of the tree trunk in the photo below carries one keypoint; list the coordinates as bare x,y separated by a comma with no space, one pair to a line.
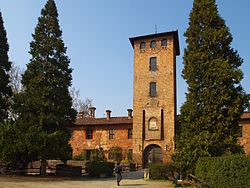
43,166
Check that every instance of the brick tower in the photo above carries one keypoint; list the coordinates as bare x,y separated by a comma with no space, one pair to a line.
154,101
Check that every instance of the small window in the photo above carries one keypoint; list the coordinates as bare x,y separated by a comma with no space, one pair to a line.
152,124
142,45
111,134
130,154
152,89
89,134
152,44
164,42
152,64
130,133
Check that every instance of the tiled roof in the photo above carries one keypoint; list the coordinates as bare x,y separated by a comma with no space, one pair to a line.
103,121
119,120
245,115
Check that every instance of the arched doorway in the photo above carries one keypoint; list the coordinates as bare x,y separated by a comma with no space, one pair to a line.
152,154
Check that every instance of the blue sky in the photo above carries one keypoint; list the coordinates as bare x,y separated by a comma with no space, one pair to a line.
96,35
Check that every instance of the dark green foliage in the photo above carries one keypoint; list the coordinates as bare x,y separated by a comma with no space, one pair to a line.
168,171
5,65
215,99
132,167
173,171
230,171
97,168
115,153
8,137
14,146
67,170
157,171
45,106
95,155
81,157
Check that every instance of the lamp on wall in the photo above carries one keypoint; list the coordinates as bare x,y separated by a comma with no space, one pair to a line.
167,148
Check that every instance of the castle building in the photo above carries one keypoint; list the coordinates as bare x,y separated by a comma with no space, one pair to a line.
90,133
147,133
244,137
154,99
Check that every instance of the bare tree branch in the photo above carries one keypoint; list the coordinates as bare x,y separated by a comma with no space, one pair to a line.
78,104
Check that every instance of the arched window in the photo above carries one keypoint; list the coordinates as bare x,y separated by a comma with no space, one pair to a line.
152,124
164,42
142,45
152,44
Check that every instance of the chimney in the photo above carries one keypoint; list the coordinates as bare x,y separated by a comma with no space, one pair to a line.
92,112
108,114
79,115
130,113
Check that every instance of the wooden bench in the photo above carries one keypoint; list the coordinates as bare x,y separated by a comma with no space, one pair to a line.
197,181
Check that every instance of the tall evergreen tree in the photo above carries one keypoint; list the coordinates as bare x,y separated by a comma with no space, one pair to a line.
215,99
46,105
5,65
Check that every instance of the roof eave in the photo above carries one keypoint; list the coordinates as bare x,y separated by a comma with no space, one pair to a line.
176,39
102,124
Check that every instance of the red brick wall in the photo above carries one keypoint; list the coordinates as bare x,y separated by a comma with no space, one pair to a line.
100,138
245,139
165,99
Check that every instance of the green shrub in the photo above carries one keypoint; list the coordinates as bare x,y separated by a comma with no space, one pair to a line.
157,171
115,153
132,167
81,157
98,168
168,171
67,170
229,171
96,155
172,171
125,161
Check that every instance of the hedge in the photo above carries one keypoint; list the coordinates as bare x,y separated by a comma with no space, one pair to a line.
95,155
157,171
67,170
99,168
163,171
228,171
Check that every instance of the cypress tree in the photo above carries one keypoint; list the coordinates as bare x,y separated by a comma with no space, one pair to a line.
215,99
5,65
46,106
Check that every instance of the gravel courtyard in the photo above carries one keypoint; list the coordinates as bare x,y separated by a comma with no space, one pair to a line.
131,179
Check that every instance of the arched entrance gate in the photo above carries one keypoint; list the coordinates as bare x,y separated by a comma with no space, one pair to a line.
152,154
